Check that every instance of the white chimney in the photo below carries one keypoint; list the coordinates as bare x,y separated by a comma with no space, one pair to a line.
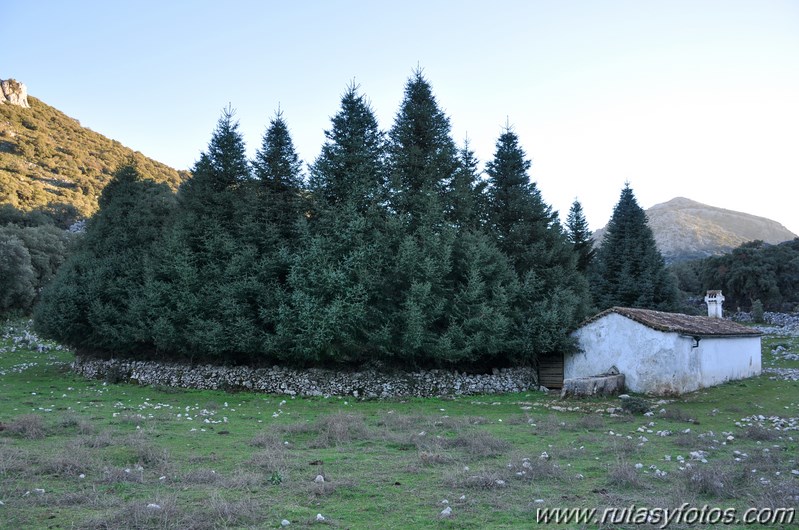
714,299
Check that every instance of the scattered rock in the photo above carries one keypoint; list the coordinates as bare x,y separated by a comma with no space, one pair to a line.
153,506
319,479
446,512
285,522
320,518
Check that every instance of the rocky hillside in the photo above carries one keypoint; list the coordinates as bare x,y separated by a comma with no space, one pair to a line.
686,229
49,162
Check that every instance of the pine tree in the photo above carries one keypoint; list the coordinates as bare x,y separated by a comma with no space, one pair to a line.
467,200
629,269
553,295
580,236
201,285
352,166
422,156
272,224
422,162
93,303
216,177
278,170
336,311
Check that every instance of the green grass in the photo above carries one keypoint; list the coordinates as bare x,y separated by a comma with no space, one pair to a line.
103,452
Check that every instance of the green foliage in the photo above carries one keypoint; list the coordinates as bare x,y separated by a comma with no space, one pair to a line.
755,271
202,282
49,163
422,157
335,309
757,311
467,198
44,249
278,169
553,295
482,313
580,236
629,270
17,277
636,405
91,301
396,252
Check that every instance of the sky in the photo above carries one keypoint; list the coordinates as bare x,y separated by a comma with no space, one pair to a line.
696,99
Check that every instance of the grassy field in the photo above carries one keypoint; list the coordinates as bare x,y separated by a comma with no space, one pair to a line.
76,453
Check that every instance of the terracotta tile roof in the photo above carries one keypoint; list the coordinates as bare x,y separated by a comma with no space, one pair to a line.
679,323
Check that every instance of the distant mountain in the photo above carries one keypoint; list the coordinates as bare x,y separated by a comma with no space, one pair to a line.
49,162
686,229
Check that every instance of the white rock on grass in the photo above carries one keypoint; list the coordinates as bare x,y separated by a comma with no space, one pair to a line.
446,512
153,506
320,518
285,522
319,479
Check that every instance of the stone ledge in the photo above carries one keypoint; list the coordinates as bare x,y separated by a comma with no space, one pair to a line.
368,384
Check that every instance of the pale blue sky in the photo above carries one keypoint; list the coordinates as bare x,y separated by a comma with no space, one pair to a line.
680,98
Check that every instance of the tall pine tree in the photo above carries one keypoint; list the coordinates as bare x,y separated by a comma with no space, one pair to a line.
278,171
336,309
422,157
580,236
200,281
422,162
628,269
554,296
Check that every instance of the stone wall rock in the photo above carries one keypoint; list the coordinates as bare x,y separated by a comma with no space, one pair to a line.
368,384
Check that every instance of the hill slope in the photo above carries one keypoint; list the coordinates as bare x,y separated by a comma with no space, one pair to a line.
686,229
48,161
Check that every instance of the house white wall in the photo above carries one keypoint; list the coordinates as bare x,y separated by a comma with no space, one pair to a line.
659,362
726,358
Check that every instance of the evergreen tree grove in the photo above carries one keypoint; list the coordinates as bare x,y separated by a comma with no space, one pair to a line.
396,251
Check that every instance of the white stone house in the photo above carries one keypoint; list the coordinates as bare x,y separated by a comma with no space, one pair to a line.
665,353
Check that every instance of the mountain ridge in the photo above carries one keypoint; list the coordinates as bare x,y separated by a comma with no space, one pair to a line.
49,162
686,229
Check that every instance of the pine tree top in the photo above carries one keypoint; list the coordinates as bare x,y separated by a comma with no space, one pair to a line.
276,163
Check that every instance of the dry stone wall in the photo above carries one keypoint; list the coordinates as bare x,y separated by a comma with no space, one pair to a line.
369,384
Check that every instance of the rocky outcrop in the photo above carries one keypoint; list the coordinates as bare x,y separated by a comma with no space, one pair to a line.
368,384
14,93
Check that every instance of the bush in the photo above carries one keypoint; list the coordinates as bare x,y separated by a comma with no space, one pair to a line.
757,311
635,405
